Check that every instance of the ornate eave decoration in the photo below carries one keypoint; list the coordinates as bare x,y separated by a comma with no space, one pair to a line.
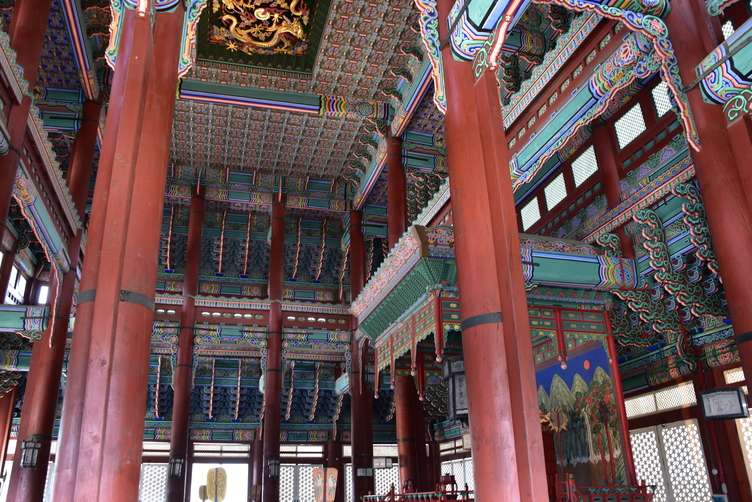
725,74
424,259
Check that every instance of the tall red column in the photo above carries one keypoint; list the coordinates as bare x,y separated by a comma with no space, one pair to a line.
434,463
182,377
82,156
605,147
408,442
396,191
38,416
503,405
109,445
361,406
334,459
258,468
273,374
27,35
357,255
740,135
419,427
7,266
721,176
621,409
40,400
7,403
69,436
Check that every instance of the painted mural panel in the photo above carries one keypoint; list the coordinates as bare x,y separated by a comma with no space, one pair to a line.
578,406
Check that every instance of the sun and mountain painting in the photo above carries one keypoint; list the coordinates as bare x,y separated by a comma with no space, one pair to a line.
578,408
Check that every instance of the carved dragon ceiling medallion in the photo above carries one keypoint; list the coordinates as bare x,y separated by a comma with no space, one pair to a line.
262,26
281,34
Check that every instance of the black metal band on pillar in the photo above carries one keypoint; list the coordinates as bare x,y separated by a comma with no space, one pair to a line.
743,337
273,369
86,296
137,298
405,440
477,320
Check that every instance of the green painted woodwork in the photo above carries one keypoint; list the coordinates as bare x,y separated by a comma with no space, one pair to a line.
252,93
29,320
577,105
478,10
552,270
427,272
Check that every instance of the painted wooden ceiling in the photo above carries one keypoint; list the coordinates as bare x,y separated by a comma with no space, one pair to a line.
361,55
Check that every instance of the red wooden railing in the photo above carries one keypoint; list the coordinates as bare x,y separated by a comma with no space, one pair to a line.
567,491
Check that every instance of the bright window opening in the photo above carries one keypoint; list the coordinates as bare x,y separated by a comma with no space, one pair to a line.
584,166
660,99
670,398
556,191
44,292
629,126
728,29
530,213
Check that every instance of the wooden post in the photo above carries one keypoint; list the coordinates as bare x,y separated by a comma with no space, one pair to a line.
503,404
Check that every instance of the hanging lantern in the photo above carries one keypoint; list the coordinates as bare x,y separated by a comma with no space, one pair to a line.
30,449
273,464
176,465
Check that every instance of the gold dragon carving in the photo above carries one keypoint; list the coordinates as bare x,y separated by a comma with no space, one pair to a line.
262,26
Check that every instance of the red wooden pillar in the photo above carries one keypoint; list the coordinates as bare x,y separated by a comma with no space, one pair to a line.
396,191
27,35
434,463
605,147
109,445
419,426
361,406
405,395
334,459
182,379
503,404
258,468
357,255
272,407
721,176
621,409
7,403
69,436
82,155
7,266
361,432
273,374
740,135
40,400
38,417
